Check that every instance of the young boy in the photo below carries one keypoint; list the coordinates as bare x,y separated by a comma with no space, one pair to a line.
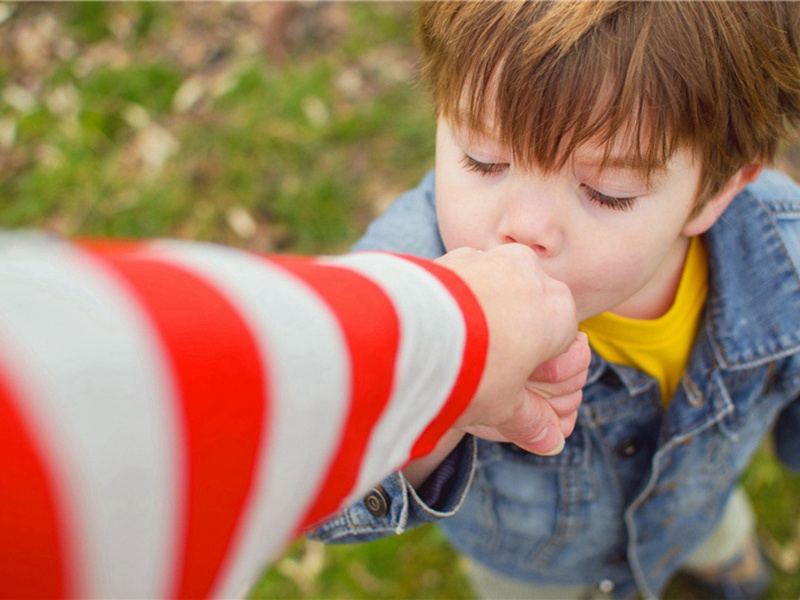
624,143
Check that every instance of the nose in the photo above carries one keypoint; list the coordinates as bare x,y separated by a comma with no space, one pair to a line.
532,215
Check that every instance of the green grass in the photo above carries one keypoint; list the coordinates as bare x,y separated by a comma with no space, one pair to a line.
419,564
189,120
155,119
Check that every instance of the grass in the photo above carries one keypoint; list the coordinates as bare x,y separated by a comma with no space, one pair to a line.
265,127
176,120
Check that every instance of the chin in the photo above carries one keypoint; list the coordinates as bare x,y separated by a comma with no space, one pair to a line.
586,311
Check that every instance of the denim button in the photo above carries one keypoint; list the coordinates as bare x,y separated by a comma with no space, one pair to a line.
377,502
606,586
628,448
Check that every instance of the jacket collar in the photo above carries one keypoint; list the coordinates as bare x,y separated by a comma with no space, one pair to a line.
753,306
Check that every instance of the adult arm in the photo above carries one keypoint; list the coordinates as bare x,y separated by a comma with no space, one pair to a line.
174,413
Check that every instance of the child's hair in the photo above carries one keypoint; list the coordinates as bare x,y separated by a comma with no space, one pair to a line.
546,77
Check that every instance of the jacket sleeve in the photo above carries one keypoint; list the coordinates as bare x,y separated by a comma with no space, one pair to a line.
394,506
786,436
786,433
173,413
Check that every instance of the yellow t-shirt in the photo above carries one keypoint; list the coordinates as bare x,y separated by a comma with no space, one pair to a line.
659,347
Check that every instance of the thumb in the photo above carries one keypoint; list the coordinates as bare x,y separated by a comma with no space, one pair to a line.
534,428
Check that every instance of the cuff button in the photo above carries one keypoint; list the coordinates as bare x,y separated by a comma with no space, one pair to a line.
377,503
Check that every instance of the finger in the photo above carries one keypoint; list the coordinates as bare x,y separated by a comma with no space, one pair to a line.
559,388
535,427
567,404
574,361
567,424
549,442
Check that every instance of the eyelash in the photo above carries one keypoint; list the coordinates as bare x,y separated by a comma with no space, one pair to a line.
481,168
612,202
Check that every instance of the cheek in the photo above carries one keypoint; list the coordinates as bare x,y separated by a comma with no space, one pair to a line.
461,221
601,282
455,227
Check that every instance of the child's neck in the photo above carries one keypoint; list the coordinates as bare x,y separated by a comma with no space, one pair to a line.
657,296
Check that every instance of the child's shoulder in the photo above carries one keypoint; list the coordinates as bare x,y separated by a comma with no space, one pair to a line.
754,251
761,227
778,196
777,191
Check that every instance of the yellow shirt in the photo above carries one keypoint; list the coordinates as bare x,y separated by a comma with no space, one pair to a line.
659,347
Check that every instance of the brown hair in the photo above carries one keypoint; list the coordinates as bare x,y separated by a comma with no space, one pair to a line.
722,77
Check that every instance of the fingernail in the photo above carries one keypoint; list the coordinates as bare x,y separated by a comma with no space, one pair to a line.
549,442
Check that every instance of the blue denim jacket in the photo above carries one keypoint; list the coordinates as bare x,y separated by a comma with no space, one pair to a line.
636,488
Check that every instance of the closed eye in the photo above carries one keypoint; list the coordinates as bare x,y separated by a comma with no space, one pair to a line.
611,202
482,168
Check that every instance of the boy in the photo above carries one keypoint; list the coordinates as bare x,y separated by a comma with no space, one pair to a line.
624,143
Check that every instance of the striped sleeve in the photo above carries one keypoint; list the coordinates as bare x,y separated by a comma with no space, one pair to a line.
173,413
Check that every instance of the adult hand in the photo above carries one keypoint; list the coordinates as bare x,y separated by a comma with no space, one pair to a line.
537,361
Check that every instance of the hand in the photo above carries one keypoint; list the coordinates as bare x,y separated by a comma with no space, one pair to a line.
554,392
537,361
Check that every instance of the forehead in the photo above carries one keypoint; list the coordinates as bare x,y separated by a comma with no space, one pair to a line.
548,131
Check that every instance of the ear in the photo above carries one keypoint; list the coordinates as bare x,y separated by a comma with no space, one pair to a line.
721,200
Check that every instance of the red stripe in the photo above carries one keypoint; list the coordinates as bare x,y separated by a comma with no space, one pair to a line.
372,330
473,362
222,387
32,557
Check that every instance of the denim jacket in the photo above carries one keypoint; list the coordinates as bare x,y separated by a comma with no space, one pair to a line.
636,488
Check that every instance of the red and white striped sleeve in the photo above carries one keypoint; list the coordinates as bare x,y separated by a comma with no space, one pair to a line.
173,413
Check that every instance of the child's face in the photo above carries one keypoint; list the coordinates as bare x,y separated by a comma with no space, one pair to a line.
618,242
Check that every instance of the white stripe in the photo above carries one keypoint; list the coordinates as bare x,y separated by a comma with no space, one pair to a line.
96,391
429,318
306,360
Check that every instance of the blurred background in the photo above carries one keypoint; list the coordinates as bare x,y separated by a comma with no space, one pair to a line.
275,126
278,127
